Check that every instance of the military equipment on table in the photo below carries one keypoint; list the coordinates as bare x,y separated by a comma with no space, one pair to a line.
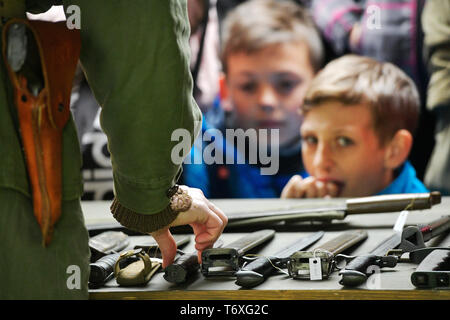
428,232
225,261
184,266
373,204
433,271
410,239
298,264
258,270
417,256
102,270
107,243
150,246
356,272
435,228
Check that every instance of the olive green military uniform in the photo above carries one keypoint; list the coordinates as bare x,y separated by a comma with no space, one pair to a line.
135,55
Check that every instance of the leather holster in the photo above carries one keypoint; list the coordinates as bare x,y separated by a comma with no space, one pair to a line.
42,97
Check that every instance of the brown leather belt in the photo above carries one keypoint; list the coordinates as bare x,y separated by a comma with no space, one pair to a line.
42,111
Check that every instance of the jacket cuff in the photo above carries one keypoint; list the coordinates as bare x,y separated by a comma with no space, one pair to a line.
144,223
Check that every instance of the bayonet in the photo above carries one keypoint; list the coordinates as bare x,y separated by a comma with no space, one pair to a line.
102,270
151,247
185,266
435,228
428,231
383,255
298,264
225,261
258,270
433,271
357,270
373,204
418,255
107,243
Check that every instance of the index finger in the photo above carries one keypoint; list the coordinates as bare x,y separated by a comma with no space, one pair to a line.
290,190
167,245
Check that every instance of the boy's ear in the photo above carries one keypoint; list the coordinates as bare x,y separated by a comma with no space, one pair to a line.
398,149
225,101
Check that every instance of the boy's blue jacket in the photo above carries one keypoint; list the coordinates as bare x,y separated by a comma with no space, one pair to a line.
231,180
405,182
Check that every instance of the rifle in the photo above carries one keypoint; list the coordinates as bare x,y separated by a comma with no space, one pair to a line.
363,205
301,264
410,239
258,270
225,261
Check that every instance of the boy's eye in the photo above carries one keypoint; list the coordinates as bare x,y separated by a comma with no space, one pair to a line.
309,140
344,141
285,86
248,87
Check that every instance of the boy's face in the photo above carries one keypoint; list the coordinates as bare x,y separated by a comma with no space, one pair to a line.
267,87
339,145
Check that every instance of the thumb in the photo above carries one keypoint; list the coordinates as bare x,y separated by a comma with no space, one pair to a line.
167,245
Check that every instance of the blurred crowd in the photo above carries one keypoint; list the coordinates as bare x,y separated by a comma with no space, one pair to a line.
253,62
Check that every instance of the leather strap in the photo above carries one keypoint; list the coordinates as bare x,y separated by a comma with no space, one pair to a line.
136,273
138,253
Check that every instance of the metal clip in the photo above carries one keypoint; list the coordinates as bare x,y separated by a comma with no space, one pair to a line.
220,262
298,264
341,260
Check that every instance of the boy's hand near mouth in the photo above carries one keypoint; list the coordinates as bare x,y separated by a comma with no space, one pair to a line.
309,187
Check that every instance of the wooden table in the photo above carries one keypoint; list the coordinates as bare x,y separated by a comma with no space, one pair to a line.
388,284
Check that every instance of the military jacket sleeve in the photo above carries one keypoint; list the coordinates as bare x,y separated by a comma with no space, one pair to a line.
135,55
136,59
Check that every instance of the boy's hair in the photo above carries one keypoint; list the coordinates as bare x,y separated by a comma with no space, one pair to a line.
257,24
389,93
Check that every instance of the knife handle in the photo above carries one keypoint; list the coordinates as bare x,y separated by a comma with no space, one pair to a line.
185,266
357,271
256,271
102,270
393,202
